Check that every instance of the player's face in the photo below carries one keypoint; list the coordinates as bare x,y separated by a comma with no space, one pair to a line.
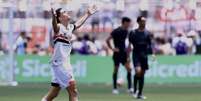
65,16
127,24
142,22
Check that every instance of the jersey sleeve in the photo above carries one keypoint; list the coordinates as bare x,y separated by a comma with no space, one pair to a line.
130,36
150,46
112,33
72,27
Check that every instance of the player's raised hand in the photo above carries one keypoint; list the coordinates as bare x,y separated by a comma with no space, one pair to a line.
54,21
53,13
92,9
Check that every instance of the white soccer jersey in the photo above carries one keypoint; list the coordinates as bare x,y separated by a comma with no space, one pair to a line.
60,62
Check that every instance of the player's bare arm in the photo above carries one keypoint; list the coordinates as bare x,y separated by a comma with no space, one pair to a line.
153,54
108,41
129,49
81,20
109,44
54,22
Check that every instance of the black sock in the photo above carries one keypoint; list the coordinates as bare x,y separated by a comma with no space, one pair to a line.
135,83
115,80
129,79
141,85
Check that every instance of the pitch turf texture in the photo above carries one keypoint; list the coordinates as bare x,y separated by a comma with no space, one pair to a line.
34,92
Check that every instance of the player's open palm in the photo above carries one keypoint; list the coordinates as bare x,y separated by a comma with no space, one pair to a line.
92,9
53,13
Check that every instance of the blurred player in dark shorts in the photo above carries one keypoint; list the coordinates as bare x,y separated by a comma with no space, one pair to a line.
120,56
140,39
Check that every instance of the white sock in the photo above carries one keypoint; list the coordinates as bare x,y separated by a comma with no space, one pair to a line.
44,99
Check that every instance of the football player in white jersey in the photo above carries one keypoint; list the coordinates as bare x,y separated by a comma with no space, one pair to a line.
60,61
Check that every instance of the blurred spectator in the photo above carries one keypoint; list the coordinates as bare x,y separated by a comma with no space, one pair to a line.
95,23
101,51
39,50
106,18
88,47
193,41
85,46
30,45
156,46
21,44
77,45
144,7
0,40
198,47
164,47
1,48
180,43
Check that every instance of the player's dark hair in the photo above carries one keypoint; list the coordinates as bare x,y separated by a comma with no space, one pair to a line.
58,13
23,33
139,18
125,19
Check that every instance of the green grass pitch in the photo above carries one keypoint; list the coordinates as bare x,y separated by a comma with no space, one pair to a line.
34,92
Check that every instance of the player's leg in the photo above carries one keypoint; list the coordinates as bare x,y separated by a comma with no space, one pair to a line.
129,74
141,82
72,91
115,72
114,77
144,67
138,80
53,93
141,86
126,63
137,68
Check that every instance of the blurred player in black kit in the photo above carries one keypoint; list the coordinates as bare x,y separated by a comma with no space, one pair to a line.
140,39
120,56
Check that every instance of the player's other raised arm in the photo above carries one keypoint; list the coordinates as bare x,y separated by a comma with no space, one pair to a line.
90,11
54,22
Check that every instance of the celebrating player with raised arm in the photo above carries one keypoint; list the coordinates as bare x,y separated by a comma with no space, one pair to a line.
60,61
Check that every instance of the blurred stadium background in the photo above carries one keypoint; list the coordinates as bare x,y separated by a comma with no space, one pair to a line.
25,48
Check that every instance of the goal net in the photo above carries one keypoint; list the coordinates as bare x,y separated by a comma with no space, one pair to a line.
7,67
